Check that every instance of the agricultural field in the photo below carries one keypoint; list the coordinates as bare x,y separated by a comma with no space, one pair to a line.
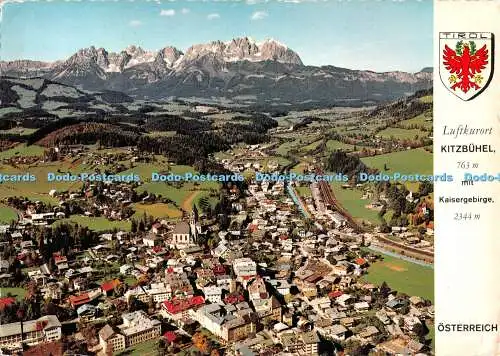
158,210
161,133
97,223
182,193
35,83
312,146
397,133
421,121
286,121
7,214
51,105
357,127
405,162
16,292
178,192
284,148
333,145
426,99
8,110
304,191
350,199
300,142
144,170
27,97
403,276
60,90
22,150
39,189
273,160
19,130
223,155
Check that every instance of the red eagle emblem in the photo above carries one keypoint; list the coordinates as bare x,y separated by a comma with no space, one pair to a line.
465,64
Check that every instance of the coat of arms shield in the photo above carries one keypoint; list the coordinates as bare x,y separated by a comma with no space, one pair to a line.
466,62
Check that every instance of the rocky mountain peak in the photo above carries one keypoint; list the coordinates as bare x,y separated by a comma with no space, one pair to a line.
241,48
102,58
274,50
244,49
83,56
238,67
134,50
170,55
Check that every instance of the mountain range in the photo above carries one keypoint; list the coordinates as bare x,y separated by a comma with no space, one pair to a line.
241,71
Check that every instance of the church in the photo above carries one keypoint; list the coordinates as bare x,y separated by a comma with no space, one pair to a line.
186,234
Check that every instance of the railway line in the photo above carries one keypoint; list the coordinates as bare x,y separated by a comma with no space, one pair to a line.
330,200
427,256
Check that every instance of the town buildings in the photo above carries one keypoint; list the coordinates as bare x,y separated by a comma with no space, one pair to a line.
137,327
44,329
269,280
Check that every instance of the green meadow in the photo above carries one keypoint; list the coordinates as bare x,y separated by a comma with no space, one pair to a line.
350,200
405,162
96,223
402,276
402,134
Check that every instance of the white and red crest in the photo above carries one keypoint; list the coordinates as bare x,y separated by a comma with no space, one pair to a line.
466,62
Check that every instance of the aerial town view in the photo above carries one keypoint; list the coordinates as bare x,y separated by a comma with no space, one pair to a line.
197,178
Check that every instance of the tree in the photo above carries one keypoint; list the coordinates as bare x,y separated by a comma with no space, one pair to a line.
89,332
202,343
161,346
420,330
384,289
425,188
141,226
119,289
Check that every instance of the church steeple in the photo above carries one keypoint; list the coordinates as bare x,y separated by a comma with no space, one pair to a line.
195,213
193,222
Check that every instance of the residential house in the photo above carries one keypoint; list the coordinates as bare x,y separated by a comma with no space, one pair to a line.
345,300
137,327
109,287
300,343
178,308
335,331
213,294
110,340
244,268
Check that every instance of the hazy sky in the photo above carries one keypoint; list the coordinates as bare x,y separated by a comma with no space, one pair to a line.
358,34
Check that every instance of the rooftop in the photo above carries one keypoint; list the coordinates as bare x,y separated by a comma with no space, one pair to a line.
45,322
136,322
110,285
176,305
181,228
106,332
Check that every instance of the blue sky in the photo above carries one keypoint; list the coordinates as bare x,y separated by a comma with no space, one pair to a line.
358,34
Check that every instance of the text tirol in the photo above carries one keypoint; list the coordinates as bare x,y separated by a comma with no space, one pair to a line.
465,35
